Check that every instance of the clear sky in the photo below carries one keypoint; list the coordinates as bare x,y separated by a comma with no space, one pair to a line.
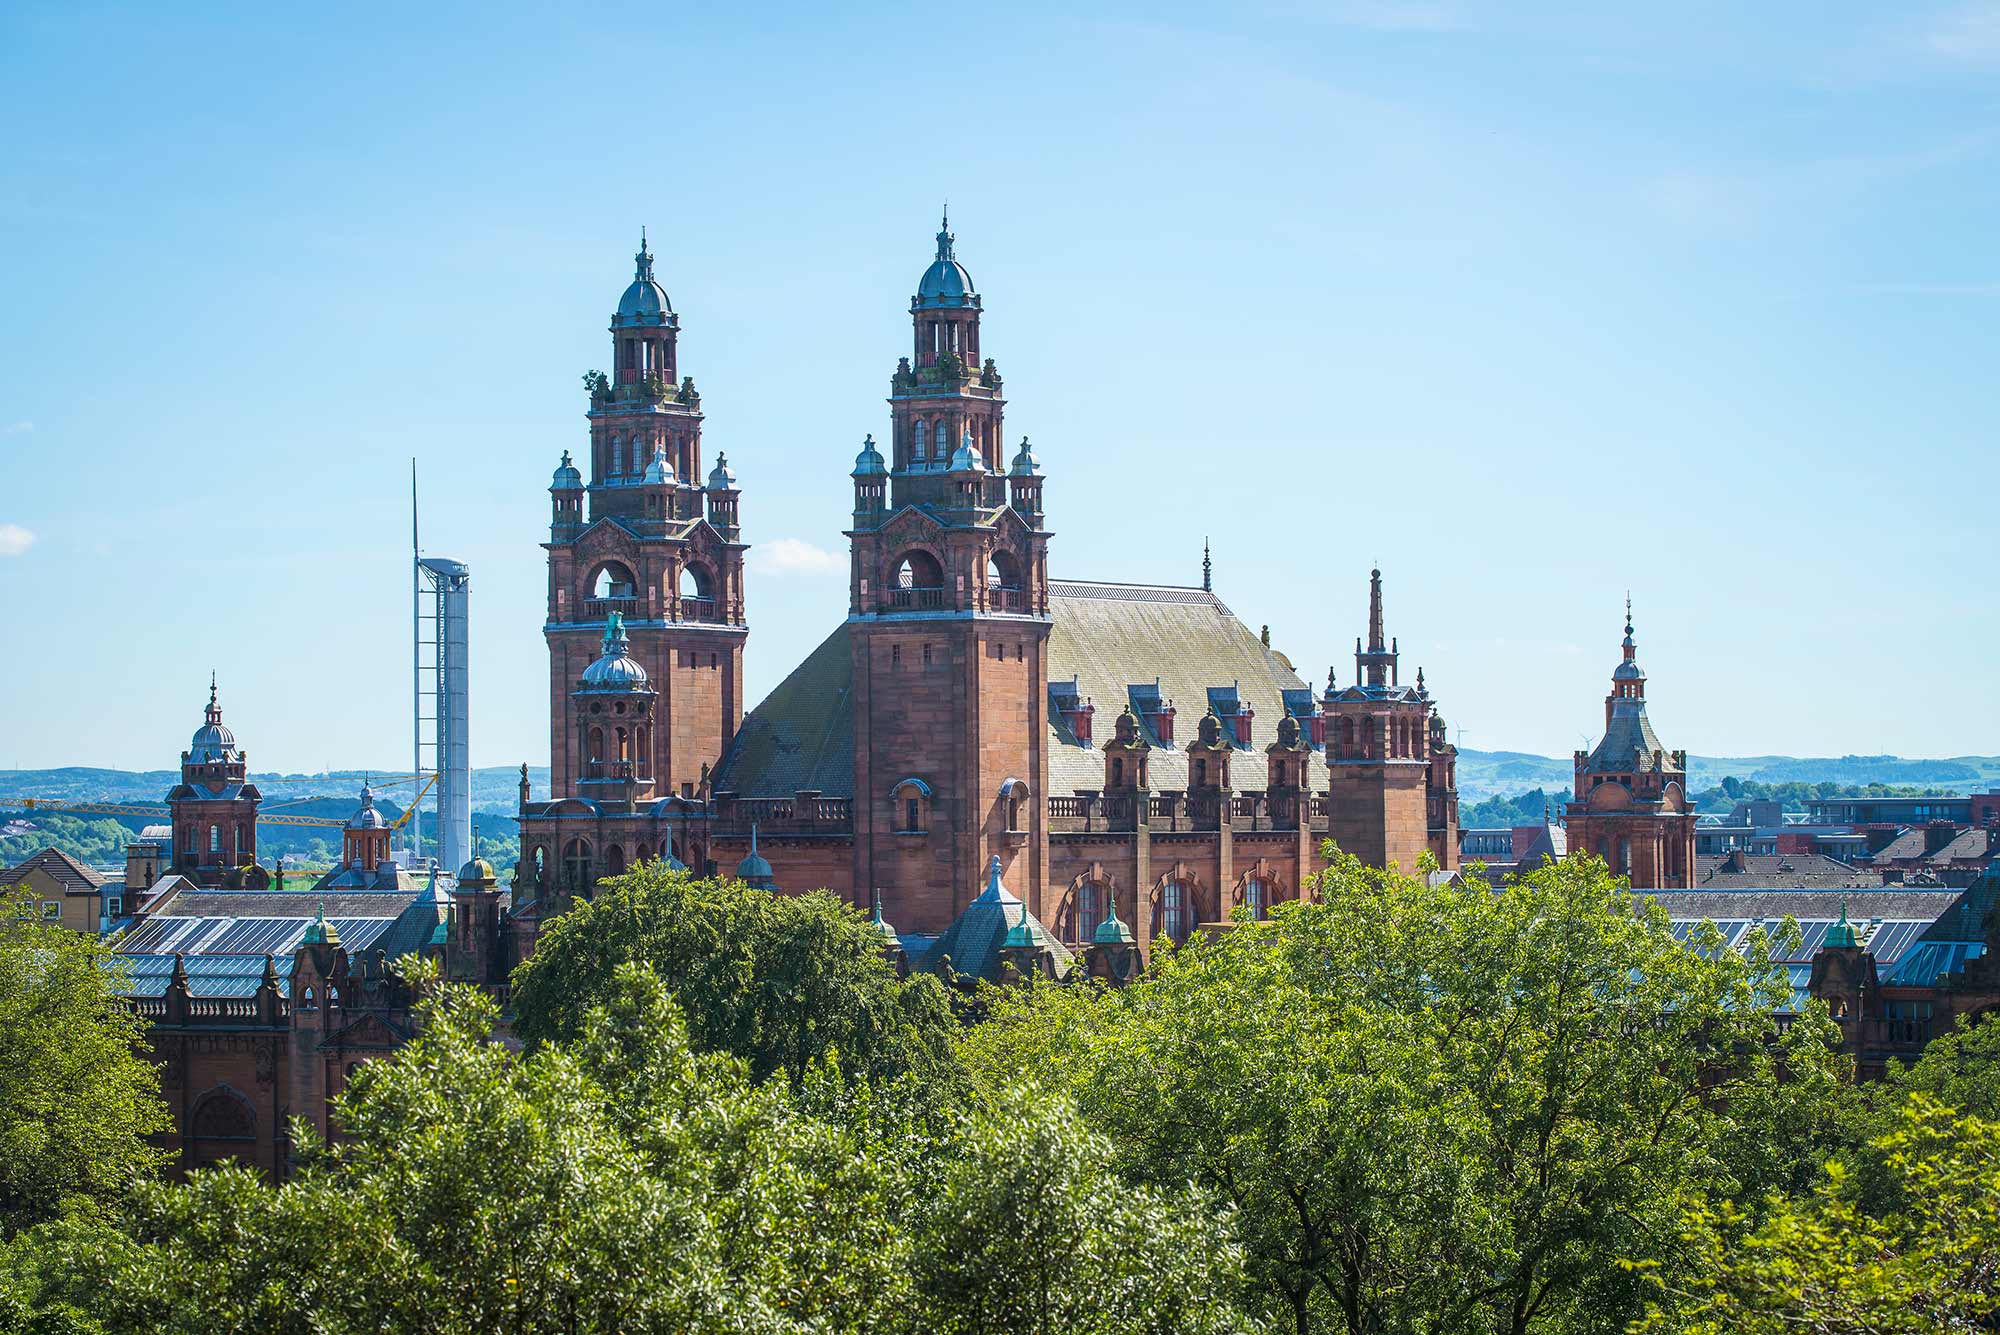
1533,304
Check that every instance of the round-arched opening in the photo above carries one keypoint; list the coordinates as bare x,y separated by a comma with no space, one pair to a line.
224,1126
1089,904
917,580
612,583
696,582
614,861
1176,917
1003,571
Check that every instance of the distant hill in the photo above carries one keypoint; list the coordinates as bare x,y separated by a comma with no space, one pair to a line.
1481,774
1484,774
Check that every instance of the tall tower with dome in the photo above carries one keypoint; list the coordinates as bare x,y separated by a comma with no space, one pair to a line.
214,806
652,544
948,605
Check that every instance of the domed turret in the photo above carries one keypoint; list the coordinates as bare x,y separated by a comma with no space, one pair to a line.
367,817
567,476
645,301
615,669
754,870
869,463
659,473
721,477
966,459
212,741
1025,463
477,874
946,283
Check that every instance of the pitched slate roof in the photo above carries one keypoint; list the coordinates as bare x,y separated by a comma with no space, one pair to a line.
75,878
802,736
1629,742
1780,871
1111,637
1108,637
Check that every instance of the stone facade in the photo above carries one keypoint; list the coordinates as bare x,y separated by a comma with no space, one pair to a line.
1631,806
947,723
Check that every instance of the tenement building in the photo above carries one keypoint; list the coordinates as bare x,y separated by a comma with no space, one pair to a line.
974,727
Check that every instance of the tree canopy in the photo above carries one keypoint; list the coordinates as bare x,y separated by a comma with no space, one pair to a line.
624,1182
1439,1108
779,980
76,1099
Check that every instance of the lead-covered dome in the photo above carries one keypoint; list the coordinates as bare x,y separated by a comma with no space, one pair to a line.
869,463
645,301
367,817
212,741
567,477
946,283
615,668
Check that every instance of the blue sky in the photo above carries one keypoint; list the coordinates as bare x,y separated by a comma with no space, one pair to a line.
1531,303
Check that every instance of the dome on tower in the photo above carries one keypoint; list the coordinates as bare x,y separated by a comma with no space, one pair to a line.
367,817
212,741
567,477
946,283
869,462
755,869
966,459
660,473
720,478
1025,463
615,669
645,301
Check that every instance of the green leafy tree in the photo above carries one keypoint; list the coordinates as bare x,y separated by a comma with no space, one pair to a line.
1029,1229
624,1183
76,1099
1830,1266
779,980
1439,1108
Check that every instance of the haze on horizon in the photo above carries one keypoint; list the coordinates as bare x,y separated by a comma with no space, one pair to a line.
1531,304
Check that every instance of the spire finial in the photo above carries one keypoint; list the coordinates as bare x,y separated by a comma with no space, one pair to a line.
1375,645
944,236
642,263
1207,570
615,640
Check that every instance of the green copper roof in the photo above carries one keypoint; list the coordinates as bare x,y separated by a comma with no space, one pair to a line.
1842,933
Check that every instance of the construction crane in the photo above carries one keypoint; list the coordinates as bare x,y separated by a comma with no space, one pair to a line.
263,817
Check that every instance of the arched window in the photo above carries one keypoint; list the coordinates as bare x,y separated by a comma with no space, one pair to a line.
1258,896
618,454
1117,771
1624,867
223,1127
614,861
576,866
308,1001
1201,773
1176,912
1087,909
910,801
695,581
919,442
1347,736
215,838
641,853
596,756
1003,571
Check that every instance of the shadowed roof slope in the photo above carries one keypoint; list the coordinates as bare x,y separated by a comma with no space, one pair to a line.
802,736
1108,637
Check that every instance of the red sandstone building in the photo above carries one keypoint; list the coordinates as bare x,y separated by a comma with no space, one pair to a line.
1109,745
1631,806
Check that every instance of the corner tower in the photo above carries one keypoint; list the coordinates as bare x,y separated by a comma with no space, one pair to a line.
214,805
1630,807
648,542
949,621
